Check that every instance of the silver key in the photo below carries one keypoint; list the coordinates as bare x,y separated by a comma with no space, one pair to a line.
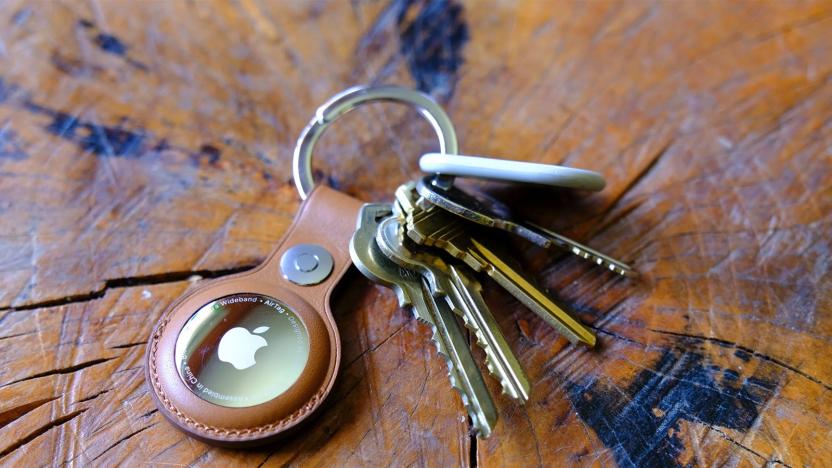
411,289
494,214
436,227
463,295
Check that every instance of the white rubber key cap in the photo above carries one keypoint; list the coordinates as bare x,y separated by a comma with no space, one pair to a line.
507,170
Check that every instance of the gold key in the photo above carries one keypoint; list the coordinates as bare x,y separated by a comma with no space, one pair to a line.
435,227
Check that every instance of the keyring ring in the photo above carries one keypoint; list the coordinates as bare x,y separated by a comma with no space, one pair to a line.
351,98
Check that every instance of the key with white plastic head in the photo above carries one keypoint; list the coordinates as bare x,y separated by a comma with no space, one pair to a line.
496,215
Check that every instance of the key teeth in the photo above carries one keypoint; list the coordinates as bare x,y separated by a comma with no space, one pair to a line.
455,384
491,359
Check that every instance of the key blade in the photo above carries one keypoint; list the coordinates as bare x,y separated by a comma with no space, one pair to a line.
585,252
494,214
533,297
463,371
500,360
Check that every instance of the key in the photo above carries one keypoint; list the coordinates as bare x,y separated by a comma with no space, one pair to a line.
497,215
412,290
463,294
442,229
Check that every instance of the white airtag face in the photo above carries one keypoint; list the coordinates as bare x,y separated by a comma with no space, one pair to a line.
242,350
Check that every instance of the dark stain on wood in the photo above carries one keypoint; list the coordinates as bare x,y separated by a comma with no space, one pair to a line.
21,16
101,140
682,385
10,145
207,152
73,66
432,44
110,44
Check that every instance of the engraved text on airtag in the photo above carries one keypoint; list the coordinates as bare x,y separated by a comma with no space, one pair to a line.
242,350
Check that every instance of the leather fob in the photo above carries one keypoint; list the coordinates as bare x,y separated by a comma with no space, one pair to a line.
326,218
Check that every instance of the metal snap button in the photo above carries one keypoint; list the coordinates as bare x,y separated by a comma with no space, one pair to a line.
306,264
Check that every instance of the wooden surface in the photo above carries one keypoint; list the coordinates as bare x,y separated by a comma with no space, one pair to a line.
146,144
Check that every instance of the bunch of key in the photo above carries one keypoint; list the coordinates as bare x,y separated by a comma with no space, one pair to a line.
428,247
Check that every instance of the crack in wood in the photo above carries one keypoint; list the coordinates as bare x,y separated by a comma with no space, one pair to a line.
747,448
642,174
38,432
10,415
17,335
748,350
63,370
131,281
129,345
260,465
116,443
374,348
472,452
94,396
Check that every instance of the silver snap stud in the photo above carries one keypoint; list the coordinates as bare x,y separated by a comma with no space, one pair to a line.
306,264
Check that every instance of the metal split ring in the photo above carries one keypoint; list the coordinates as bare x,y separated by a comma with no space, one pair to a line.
351,98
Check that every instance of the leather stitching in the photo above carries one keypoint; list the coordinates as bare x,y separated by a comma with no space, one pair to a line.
234,433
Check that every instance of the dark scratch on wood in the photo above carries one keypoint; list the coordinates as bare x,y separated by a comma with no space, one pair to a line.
747,448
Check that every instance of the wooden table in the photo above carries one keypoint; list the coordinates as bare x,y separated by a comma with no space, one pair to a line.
147,145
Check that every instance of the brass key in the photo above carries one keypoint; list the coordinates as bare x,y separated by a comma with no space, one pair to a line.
412,290
463,295
444,230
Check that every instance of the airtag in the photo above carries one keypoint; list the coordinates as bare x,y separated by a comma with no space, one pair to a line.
241,350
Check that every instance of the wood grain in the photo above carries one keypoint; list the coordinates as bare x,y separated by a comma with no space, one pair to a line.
145,145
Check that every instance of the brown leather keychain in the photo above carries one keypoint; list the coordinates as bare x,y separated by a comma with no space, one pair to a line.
245,359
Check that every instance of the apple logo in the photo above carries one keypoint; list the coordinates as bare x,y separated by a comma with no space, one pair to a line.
238,345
